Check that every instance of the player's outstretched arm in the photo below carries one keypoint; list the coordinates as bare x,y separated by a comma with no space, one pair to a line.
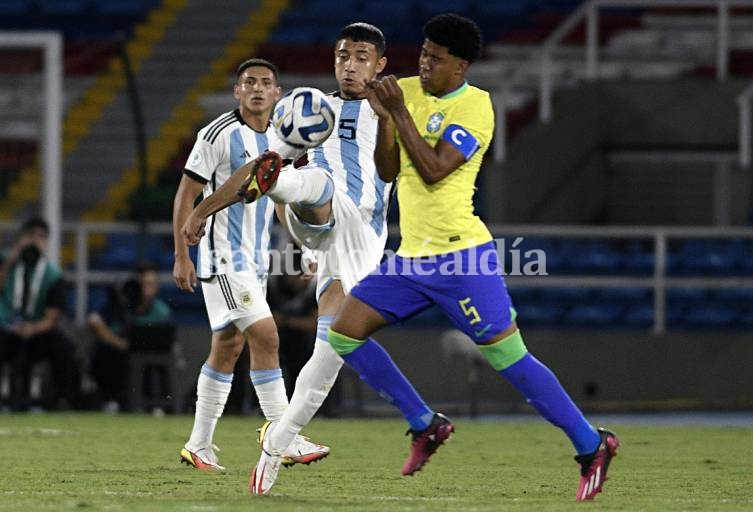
433,164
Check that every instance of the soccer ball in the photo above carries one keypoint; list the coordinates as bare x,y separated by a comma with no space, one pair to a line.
303,118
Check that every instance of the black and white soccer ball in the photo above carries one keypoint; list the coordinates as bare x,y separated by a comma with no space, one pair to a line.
303,118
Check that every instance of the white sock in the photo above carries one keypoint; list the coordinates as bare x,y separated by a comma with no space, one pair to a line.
307,187
311,389
212,390
270,390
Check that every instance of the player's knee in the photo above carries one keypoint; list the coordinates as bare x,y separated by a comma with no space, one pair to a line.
505,352
342,343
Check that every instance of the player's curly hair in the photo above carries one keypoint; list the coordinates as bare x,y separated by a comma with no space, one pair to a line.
461,36
257,62
366,33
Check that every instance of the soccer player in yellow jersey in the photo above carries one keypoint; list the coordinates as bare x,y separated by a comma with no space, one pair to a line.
433,130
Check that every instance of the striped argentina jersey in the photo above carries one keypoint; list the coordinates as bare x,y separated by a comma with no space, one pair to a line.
238,237
348,155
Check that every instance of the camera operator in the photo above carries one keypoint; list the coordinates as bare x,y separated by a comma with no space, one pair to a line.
32,302
135,302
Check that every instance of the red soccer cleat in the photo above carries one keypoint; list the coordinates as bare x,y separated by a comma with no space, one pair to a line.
426,442
593,467
263,174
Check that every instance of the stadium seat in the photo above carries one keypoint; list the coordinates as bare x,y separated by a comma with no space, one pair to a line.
16,7
710,316
639,317
539,315
593,315
67,7
704,257
122,7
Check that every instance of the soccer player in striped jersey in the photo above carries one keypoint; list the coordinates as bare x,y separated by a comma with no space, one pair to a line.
232,265
433,131
336,206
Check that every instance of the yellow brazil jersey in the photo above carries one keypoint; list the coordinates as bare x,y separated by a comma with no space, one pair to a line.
437,219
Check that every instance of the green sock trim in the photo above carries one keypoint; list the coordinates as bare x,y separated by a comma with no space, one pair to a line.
342,344
505,352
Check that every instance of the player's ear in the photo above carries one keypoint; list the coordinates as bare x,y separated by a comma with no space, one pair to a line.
462,66
278,93
381,64
236,91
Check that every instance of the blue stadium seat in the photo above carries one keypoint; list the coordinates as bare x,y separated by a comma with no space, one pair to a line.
539,315
625,296
67,7
122,7
430,8
702,257
567,296
16,7
591,257
639,317
710,316
593,315
639,257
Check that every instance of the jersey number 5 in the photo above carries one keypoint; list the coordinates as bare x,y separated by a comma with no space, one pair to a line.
470,311
347,129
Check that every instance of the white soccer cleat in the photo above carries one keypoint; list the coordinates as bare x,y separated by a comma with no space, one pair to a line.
203,458
264,474
303,451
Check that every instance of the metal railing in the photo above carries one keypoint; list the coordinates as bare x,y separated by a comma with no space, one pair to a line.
744,101
589,11
82,276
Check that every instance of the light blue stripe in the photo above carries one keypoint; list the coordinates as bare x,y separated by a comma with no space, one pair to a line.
378,219
326,285
320,160
262,223
322,326
349,154
259,377
236,212
227,378
329,191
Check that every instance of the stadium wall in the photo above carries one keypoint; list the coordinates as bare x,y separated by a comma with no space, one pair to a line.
564,173
604,371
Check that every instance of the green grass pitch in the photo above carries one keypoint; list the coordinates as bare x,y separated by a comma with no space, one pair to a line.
61,462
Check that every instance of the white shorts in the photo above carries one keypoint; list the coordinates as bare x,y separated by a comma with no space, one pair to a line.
239,298
347,249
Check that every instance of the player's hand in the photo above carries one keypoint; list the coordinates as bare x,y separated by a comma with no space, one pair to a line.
376,105
184,273
389,94
308,265
193,229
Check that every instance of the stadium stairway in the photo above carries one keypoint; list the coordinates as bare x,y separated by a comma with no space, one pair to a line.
83,119
192,60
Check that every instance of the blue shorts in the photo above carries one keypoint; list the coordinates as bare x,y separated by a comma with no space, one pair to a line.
467,285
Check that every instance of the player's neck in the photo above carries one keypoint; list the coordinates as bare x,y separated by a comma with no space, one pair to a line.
256,122
451,89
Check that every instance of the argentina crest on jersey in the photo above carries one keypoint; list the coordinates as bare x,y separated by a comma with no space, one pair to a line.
435,122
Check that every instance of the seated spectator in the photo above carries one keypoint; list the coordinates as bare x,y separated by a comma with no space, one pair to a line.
134,303
32,303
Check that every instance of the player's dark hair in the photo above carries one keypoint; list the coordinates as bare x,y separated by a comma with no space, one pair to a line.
257,62
365,33
461,36
33,223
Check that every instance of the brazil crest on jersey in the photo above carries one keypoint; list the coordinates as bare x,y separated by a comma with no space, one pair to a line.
439,218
